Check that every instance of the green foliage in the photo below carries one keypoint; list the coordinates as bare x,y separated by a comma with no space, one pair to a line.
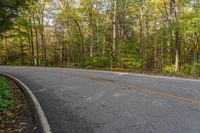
97,62
196,69
131,59
169,69
68,34
191,69
9,11
187,69
87,63
131,64
5,95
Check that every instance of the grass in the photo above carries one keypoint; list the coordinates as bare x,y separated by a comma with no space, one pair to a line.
6,101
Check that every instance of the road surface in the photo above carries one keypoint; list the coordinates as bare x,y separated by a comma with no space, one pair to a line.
81,101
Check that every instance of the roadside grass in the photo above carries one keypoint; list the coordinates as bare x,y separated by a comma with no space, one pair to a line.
6,101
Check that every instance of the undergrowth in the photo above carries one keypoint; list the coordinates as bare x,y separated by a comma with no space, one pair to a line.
6,101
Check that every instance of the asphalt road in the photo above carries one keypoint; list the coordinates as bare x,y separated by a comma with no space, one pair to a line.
80,101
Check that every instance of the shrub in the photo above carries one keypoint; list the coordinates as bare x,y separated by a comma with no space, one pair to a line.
190,70
131,64
187,69
169,69
5,95
96,62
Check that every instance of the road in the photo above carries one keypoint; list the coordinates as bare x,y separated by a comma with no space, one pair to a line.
82,101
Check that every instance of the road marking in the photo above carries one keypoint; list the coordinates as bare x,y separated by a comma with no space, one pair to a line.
108,72
133,74
139,88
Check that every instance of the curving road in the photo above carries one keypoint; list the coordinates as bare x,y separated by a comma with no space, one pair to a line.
81,101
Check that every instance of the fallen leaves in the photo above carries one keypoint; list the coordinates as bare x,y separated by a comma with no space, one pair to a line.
19,118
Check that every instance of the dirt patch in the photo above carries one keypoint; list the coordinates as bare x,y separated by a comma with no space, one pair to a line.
19,118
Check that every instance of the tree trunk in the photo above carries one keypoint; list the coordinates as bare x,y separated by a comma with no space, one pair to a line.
92,32
114,26
141,32
81,35
177,61
21,49
36,42
29,45
44,47
177,34
7,51
32,44
103,47
42,34
114,33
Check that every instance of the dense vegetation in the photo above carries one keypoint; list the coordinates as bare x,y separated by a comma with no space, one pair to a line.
136,35
5,95
8,12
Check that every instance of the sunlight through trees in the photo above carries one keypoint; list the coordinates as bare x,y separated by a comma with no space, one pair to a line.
133,35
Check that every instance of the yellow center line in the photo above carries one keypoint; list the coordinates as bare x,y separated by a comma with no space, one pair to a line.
139,88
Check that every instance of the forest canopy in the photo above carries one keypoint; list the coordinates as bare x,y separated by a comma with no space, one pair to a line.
9,10
129,35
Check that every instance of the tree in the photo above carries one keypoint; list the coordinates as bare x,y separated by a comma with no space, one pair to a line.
141,35
9,10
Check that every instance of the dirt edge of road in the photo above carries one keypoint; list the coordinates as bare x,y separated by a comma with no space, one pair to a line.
39,117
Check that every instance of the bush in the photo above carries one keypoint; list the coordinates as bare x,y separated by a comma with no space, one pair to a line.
131,64
190,70
169,69
5,95
198,68
187,69
96,62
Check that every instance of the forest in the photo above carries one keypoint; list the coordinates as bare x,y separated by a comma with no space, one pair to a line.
156,36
